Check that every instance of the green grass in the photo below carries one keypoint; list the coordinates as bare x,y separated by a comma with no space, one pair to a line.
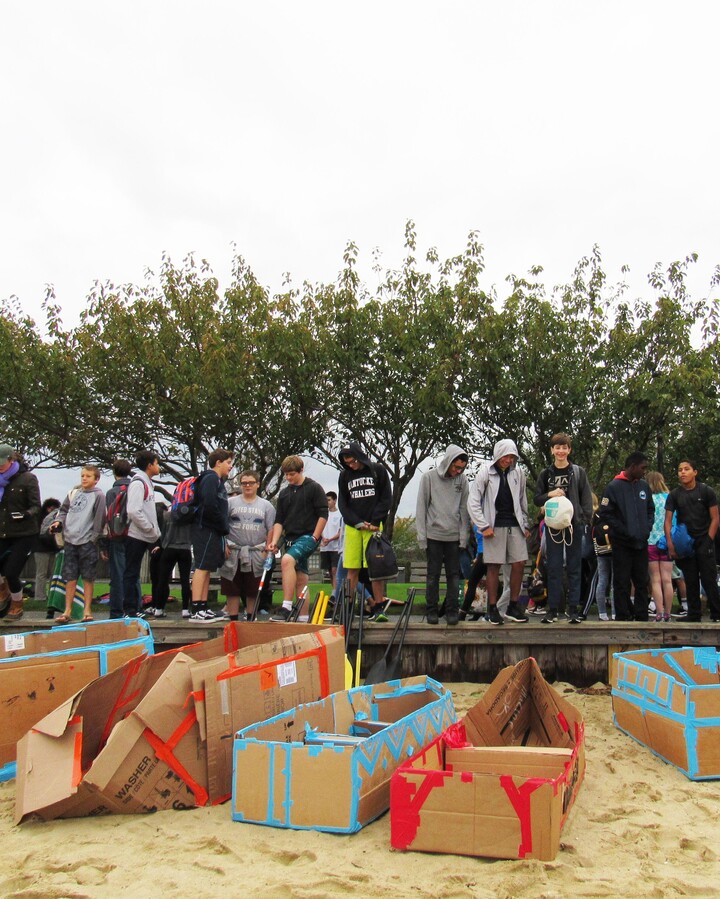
395,591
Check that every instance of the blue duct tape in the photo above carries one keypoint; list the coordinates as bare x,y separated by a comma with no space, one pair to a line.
286,771
8,771
682,674
706,657
691,741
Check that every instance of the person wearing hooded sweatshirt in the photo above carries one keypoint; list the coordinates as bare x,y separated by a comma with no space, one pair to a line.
364,500
19,525
628,509
443,524
497,504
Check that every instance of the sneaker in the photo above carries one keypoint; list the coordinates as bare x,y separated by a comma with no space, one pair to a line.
516,614
575,616
159,613
551,617
185,613
494,617
378,616
603,616
282,614
540,610
262,615
432,616
203,615
148,611
683,613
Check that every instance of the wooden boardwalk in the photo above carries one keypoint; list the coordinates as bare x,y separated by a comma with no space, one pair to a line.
475,651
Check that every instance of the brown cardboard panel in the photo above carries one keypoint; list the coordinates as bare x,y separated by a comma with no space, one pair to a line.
708,751
503,799
140,746
36,690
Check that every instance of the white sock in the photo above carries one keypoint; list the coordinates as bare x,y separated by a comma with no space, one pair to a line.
287,604
17,597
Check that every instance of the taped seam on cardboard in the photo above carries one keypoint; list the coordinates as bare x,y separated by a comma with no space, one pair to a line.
520,801
409,806
165,754
680,672
8,771
122,699
320,652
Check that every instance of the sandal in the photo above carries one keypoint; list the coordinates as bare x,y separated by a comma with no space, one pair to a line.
63,619
87,618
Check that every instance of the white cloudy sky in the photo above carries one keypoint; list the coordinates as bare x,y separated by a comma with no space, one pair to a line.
290,128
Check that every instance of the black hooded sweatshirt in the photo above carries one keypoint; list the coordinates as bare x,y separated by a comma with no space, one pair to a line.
365,494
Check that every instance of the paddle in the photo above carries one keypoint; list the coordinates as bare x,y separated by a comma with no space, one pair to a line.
298,604
315,607
346,621
383,670
358,651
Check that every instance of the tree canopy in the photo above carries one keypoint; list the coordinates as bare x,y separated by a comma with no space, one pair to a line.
427,358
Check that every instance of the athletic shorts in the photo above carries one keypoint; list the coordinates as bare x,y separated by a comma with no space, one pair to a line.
507,546
80,561
301,549
329,559
243,584
208,549
356,543
655,554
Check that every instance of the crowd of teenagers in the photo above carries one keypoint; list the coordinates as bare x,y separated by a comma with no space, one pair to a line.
637,543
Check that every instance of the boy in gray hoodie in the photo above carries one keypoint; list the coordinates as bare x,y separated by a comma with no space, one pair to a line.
442,522
81,519
498,508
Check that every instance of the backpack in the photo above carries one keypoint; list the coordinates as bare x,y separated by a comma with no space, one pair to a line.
380,558
184,503
558,513
116,516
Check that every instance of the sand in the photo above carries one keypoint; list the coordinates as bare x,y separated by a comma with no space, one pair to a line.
638,828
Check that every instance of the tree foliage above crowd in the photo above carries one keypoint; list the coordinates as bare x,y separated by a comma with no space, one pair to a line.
429,357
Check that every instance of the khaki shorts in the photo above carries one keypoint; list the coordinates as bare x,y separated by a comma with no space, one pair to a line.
507,546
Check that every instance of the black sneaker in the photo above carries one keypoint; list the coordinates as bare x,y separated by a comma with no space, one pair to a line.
575,617
683,613
432,616
494,617
551,617
516,614
451,618
282,614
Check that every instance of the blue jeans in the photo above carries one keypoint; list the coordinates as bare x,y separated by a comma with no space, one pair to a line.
116,562
563,555
604,574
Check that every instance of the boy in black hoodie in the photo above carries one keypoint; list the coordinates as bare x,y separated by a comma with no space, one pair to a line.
627,507
364,500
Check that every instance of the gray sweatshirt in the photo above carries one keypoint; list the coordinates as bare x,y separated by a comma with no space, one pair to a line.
82,515
441,512
250,524
142,514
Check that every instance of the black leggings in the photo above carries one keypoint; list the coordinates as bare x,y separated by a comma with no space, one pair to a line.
14,552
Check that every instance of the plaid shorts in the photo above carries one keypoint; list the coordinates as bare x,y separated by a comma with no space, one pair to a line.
80,560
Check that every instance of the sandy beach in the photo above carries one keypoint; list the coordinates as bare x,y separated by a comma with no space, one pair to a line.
639,828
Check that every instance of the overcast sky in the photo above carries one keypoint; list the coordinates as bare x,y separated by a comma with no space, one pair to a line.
290,128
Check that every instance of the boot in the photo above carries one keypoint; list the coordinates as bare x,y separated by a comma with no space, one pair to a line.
15,612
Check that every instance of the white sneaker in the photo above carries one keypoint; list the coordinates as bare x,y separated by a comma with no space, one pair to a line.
203,615
603,616
185,613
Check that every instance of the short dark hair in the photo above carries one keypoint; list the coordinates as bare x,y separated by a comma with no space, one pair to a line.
145,458
49,504
250,473
561,438
691,462
331,495
219,455
121,468
635,459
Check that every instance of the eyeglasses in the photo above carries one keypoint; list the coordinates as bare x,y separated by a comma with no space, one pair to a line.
248,483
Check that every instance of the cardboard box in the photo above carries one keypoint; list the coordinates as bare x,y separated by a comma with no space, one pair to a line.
327,765
39,670
137,740
669,700
501,782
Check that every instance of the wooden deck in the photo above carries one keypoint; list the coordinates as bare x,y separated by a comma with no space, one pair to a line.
475,651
